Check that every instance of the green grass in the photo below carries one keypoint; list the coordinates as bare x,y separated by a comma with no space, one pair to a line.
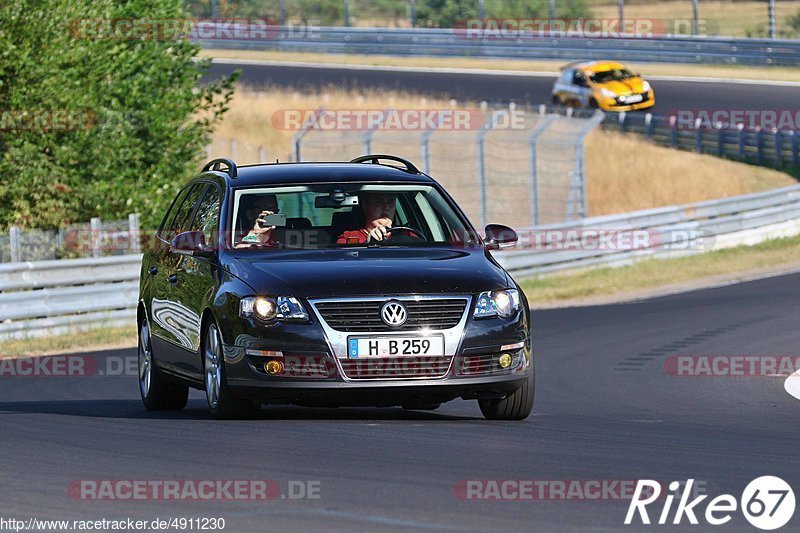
654,273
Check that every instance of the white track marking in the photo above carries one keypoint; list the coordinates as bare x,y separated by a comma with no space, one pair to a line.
792,385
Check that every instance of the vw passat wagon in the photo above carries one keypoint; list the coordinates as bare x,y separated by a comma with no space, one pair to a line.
329,284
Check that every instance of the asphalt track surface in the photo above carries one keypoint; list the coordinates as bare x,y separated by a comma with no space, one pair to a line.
671,96
606,409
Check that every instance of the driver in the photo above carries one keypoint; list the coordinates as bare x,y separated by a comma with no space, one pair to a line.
379,209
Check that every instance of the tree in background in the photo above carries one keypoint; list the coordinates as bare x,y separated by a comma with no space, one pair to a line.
149,119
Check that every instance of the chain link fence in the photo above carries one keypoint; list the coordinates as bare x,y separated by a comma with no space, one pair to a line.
96,238
520,176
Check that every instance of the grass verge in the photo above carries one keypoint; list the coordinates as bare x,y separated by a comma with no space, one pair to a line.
524,65
725,265
95,339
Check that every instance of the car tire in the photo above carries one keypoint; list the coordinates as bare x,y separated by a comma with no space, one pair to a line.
157,391
421,406
516,406
222,402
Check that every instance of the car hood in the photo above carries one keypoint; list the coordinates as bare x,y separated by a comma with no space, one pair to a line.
629,86
368,272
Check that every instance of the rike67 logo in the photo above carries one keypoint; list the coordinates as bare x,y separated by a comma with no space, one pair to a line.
767,503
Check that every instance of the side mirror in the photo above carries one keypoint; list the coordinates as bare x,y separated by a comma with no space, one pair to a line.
191,243
499,237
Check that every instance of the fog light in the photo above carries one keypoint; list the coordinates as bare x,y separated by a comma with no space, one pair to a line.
273,367
505,360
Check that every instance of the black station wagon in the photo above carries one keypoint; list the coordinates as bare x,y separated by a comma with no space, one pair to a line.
329,284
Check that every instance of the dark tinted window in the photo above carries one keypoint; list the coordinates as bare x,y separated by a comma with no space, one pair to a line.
183,215
169,218
207,217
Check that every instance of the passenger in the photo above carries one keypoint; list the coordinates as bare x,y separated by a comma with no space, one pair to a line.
260,207
379,209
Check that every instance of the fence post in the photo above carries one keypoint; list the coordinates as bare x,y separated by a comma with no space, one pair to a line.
482,180
208,152
134,233
297,138
262,158
533,145
778,141
94,225
795,158
14,244
233,149
425,148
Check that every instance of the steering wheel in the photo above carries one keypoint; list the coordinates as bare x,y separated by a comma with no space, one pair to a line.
417,233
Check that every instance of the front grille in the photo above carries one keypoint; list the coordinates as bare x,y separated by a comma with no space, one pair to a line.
645,98
396,367
472,365
365,315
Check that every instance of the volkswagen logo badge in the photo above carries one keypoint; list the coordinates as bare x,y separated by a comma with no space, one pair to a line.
394,314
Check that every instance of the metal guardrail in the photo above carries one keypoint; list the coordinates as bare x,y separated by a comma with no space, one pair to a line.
51,297
457,42
664,232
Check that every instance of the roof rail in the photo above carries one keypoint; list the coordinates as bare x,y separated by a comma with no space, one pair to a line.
375,160
215,165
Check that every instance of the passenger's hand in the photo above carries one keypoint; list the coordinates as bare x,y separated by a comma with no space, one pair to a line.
377,234
258,230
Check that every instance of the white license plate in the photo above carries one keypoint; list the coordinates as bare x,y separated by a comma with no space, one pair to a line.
633,99
362,347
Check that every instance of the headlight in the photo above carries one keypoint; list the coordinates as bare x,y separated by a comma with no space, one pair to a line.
268,308
646,87
503,303
608,93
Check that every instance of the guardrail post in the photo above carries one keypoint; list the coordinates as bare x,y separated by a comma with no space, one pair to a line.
134,233
778,141
698,136
94,226
760,145
14,244
742,139
622,116
720,139
795,158
648,125
673,133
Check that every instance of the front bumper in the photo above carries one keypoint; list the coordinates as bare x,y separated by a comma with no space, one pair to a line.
314,376
612,104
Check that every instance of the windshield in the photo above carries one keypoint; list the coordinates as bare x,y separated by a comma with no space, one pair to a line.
616,74
346,215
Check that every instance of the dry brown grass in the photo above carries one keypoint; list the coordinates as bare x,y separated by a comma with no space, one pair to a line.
624,172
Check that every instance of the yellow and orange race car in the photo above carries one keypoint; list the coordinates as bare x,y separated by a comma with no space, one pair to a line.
606,85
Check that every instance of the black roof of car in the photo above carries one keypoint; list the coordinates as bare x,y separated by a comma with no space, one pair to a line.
364,168
285,173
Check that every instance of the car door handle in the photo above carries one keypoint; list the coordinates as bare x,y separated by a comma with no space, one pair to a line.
153,271
173,279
